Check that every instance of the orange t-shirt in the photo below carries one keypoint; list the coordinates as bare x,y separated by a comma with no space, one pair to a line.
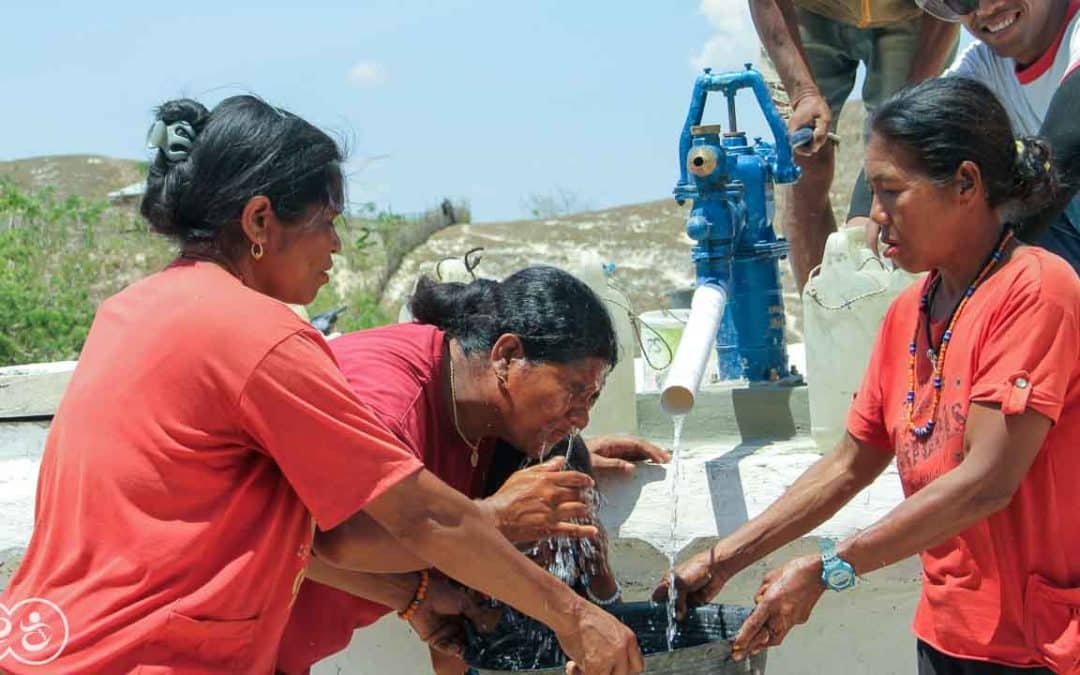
1007,589
205,431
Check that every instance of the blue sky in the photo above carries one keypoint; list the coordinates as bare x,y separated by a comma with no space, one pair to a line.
484,100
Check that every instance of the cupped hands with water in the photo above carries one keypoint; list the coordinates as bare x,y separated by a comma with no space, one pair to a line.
542,501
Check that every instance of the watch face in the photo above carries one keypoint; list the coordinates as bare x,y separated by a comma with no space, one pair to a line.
840,578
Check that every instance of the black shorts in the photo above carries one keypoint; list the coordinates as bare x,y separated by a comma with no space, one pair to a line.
933,662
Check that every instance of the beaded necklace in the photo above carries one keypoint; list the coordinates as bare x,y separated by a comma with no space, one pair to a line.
938,358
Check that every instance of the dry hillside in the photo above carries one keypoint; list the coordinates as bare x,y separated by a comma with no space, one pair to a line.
88,176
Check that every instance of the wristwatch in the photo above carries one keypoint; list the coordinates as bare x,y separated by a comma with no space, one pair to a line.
836,574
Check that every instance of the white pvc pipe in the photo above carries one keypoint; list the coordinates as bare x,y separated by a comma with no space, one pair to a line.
697,341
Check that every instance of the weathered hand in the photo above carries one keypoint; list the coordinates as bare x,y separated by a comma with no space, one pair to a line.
809,109
600,643
697,581
443,633
439,620
541,502
785,599
618,453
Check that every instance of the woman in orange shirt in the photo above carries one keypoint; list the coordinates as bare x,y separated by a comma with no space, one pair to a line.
973,386
207,434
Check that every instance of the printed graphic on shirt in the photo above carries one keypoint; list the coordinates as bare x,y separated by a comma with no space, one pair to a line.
33,632
920,461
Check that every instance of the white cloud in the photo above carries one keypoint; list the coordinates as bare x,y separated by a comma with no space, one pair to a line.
367,74
734,40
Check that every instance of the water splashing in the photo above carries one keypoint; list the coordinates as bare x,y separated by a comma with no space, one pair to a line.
572,561
673,493
570,447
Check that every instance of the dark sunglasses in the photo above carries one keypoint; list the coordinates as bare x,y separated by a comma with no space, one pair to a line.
948,10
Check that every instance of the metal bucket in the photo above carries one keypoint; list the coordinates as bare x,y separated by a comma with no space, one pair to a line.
701,645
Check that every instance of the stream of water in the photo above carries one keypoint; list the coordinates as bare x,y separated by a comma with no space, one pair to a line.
673,492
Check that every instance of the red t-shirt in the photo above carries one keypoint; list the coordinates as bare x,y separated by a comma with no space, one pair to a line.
205,431
1007,589
396,371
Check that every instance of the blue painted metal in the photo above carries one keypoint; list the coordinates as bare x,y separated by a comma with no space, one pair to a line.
731,183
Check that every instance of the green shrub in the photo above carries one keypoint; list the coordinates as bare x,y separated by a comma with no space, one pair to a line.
45,309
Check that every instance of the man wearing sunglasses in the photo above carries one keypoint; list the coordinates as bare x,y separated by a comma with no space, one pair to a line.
816,47
1028,54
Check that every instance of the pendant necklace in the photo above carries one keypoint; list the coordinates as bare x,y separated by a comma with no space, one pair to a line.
474,458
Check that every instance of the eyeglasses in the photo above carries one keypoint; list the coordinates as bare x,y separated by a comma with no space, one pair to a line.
948,10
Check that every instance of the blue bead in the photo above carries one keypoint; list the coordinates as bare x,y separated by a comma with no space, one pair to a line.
929,425
997,255
968,293
911,349
910,396
947,336
937,383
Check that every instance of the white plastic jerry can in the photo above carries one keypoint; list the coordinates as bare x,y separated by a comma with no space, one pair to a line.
615,411
844,303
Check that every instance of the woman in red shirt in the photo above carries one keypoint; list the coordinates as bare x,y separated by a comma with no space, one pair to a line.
450,387
973,386
207,433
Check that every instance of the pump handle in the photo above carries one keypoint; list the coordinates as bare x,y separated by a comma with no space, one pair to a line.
802,136
783,168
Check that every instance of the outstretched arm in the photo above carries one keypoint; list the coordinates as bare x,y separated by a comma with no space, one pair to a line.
814,497
446,529
777,25
999,451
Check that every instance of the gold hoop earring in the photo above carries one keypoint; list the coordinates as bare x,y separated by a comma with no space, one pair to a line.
257,251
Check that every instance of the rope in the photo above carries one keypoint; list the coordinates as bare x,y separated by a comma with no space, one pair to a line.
636,324
813,293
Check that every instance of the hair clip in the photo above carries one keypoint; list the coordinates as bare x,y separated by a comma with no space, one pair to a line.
173,139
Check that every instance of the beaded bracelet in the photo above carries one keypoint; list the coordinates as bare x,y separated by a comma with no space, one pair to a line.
615,597
418,599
